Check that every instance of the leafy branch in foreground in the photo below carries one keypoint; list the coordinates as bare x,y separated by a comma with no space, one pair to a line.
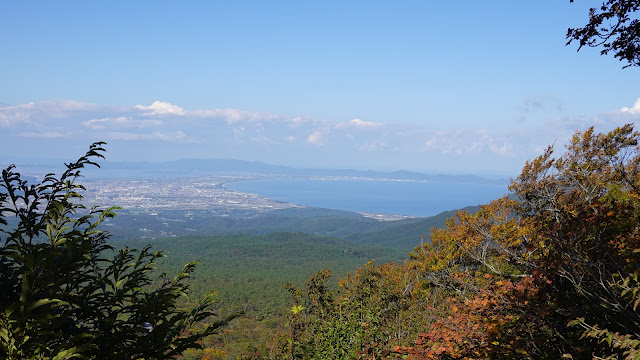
62,296
615,27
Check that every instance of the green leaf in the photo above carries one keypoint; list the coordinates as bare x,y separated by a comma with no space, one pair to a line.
42,302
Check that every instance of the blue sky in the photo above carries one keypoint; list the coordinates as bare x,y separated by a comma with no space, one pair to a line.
458,87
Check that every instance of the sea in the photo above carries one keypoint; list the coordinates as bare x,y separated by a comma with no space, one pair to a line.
411,198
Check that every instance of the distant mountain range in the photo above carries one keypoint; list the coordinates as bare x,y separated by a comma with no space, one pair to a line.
209,167
212,167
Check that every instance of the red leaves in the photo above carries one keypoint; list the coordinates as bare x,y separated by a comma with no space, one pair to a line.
504,282
518,266
484,323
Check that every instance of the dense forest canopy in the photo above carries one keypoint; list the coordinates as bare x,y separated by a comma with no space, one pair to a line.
550,272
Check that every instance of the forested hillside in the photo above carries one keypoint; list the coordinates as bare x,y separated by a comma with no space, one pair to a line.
249,274
196,268
353,227
549,272
552,273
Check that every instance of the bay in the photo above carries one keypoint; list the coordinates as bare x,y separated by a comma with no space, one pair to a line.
412,198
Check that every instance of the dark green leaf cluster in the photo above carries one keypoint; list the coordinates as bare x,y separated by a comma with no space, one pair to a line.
615,27
62,297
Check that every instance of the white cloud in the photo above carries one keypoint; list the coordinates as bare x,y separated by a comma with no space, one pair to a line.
44,111
249,133
316,138
563,128
160,108
297,121
177,136
358,123
635,109
230,115
12,115
121,121
64,106
101,123
234,116
366,124
468,142
46,135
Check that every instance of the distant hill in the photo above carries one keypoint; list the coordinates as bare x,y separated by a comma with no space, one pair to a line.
314,221
205,167
348,226
405,234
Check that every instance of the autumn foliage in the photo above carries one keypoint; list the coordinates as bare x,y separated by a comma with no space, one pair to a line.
550,271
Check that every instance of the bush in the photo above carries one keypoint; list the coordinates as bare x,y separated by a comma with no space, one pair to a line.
65,293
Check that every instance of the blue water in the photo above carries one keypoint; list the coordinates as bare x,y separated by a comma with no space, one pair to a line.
383,197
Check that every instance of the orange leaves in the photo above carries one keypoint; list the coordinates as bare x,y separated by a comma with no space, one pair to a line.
485,322
491,238
503,282
480,259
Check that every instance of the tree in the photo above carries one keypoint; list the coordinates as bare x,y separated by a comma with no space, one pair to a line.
565,250
364,318
65,293
549,272
613,27
584,208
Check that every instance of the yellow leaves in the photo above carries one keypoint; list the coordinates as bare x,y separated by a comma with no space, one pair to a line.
296,309
212,353
569,211
487,237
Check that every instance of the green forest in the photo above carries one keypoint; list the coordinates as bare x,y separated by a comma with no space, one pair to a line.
550,271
